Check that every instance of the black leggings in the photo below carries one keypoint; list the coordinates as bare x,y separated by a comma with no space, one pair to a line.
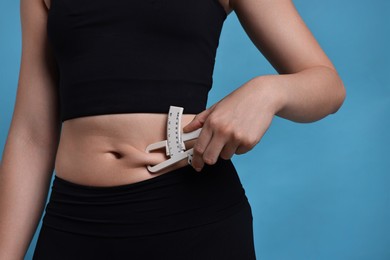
182,214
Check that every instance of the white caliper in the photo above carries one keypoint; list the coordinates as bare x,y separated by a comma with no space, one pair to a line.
174,145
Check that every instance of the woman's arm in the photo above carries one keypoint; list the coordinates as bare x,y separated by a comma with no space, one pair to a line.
29,153
307,89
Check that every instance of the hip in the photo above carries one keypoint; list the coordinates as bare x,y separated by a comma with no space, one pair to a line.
177,200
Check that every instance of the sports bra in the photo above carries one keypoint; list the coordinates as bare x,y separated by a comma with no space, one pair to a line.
134,56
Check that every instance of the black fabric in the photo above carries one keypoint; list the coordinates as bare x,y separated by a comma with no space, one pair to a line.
129,56
181,214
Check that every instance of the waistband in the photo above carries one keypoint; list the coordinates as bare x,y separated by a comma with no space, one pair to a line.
173,201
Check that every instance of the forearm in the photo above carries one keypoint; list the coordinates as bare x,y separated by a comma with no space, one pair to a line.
306,96
25,174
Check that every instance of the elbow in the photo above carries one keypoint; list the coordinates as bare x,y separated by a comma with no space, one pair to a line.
340,96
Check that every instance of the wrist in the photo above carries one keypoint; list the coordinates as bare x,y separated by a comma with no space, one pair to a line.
273,93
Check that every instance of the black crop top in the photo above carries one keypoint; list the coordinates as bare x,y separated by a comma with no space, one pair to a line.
129,56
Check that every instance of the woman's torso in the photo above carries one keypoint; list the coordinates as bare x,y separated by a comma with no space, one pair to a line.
109,149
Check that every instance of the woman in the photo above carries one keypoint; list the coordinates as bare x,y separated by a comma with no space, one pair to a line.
94,91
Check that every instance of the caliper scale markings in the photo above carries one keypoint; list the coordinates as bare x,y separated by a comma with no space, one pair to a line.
174,145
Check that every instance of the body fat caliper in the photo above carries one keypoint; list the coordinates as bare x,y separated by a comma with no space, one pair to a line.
174,145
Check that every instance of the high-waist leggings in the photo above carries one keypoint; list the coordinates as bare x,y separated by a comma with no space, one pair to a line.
182,214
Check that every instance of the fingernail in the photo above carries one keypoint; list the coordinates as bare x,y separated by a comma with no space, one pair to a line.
198,169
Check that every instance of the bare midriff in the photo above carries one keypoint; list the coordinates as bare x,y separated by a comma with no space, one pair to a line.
109,150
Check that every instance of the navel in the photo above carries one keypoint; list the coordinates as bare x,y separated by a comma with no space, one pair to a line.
116,154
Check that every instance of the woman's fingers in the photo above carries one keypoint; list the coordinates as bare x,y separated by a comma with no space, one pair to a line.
200,146
198,120
213,149
229,150
213,143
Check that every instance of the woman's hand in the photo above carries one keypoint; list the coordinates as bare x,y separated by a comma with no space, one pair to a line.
235,124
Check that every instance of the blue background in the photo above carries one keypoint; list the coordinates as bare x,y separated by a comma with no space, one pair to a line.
318,190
